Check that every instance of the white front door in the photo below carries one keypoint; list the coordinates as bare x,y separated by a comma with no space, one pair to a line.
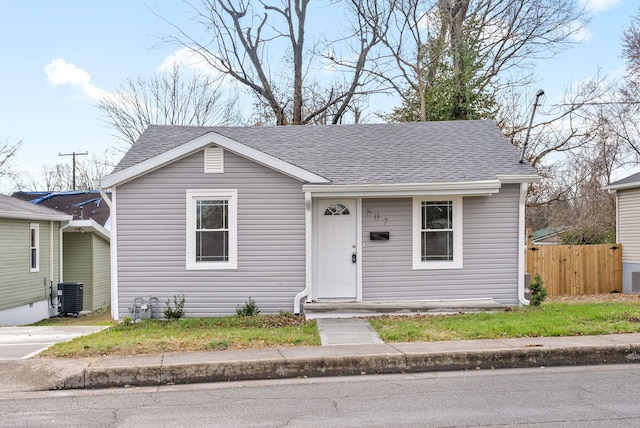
337,254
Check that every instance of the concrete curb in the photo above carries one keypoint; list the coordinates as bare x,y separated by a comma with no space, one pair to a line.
388,362
39,374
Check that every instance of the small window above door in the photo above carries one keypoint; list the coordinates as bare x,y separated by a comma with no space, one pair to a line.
337,209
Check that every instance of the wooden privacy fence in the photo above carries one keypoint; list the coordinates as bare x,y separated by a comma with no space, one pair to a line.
576,269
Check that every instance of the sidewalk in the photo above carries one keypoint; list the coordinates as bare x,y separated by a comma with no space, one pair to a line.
332,360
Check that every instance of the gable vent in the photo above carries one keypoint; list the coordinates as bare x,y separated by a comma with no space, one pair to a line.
213,160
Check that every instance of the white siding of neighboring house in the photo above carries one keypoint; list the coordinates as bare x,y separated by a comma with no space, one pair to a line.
490,246
629,234
151,235
629,224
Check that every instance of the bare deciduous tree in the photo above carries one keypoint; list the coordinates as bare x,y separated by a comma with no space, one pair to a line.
166,99
244,37
506,36
7,152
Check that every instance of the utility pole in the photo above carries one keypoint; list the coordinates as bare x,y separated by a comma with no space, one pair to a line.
533,112
74,154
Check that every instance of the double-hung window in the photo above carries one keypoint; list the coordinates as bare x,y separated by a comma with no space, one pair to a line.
437,233
211,229
34,247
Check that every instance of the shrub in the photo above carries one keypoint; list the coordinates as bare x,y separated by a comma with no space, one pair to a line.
538,291
176,311
250,308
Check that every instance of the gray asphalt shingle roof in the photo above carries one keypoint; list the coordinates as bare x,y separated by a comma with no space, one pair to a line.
632,179
14,207
426,152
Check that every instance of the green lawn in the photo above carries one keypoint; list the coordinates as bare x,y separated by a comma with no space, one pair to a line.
549,319
262,331
191,334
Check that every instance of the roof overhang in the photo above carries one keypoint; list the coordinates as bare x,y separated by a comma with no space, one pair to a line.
88,226
612,188
208,139
469,188
35,216
513,179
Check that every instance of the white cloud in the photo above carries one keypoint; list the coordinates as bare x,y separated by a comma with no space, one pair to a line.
60,73
579,33
186,57
596,6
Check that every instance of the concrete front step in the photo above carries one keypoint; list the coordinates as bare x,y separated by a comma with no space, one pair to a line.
326,309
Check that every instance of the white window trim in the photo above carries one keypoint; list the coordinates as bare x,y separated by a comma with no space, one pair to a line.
194,195
36,227
456,263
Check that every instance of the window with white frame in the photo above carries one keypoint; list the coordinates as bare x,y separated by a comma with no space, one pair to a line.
212,233
34,247
437,233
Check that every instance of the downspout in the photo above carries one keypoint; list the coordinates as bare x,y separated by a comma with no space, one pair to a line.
113,247
522,244
308,204
60,233
53,289
51,252
617,216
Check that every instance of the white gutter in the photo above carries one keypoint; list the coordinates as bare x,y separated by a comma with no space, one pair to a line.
308,205
469,188
522,246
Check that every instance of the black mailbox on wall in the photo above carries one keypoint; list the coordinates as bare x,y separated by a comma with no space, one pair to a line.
379,236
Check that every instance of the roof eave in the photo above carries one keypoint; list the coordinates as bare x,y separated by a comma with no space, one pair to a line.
89,225
471,188
519,178
34,216
615,187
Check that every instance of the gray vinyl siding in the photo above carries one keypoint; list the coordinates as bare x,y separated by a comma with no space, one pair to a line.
151,238
629,224
19,286
86,260
490,244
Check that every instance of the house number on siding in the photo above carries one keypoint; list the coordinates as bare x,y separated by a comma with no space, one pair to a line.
376,216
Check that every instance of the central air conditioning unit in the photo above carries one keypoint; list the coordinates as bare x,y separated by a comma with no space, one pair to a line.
70,296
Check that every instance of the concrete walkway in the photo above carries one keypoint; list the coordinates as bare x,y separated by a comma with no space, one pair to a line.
346,331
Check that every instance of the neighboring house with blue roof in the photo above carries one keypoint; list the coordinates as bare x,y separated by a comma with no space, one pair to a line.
86,241
300,214
31,264
627,192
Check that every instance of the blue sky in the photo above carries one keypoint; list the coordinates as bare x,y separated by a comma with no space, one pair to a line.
59,55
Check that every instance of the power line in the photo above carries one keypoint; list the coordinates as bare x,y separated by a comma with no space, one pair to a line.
74,154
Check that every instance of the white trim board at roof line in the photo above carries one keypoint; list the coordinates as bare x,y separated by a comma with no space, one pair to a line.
471,188
209,139
33,216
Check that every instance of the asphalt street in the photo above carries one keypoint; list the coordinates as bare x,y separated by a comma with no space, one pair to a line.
586,396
